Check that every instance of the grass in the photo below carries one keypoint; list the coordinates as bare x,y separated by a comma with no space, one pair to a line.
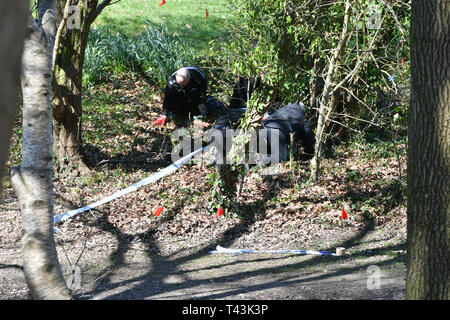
187,18
154,52
142,37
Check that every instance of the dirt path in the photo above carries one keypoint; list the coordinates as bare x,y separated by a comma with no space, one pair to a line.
123,252
184,269
195,274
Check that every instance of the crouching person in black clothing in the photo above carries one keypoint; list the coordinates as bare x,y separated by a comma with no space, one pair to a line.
220,142
185,96
268,145
222,133
290,120
273,139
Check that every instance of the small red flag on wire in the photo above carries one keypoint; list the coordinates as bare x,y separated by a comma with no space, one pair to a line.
403,59
162,2
158,211
219,212
207,15
344,214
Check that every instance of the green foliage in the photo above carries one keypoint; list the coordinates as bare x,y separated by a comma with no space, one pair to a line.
154,52
289,42
185,18
159,53
272,38
218,198
106,53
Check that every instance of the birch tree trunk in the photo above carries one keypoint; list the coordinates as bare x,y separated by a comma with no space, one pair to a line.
428,255
33,179
12,33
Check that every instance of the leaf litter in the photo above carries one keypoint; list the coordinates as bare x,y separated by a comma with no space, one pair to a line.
278,211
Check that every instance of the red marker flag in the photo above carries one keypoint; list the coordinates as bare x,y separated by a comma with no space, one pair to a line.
344,214
158,211
207,15
219,212
162,2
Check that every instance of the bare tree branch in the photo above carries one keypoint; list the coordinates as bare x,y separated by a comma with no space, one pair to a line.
102,6
59,33
391,10
325,111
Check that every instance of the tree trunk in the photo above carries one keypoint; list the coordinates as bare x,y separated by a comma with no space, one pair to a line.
32,180
428,263
316,86
325,107
67,89
229,179
12,33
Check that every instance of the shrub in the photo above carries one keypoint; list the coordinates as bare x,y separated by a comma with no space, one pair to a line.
106,53
159,53
153,52
290,44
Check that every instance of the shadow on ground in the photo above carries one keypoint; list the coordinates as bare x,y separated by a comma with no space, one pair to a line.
194,273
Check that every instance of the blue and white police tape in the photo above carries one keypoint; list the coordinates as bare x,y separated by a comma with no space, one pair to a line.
219,249
154,177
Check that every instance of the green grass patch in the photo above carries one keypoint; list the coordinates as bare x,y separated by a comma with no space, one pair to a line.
186,18
154,53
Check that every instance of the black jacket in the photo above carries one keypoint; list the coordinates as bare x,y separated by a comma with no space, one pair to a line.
219,130
230,120
288,119
183,101
291,119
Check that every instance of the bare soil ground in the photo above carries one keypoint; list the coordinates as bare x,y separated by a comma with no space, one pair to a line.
181,269
124,252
